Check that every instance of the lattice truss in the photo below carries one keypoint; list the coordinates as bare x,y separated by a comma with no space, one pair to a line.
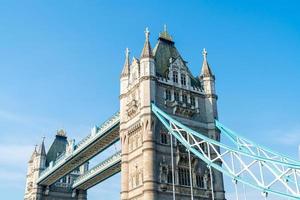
238,158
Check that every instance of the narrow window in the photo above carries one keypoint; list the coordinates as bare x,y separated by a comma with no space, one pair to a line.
184,176
183,79
164,138
193,101
175,77
176,96
200,181
137,179
184,98
170,177
168,95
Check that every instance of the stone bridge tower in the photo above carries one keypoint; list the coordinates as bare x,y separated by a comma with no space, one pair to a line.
39,160
162,76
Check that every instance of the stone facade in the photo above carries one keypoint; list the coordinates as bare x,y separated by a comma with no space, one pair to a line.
39,161
161,76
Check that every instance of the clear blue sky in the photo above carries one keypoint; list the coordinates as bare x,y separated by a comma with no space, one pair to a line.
60,63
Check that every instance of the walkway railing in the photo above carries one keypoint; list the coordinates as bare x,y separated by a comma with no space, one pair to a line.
112,160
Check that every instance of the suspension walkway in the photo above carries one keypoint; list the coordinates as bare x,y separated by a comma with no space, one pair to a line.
100,139
99,173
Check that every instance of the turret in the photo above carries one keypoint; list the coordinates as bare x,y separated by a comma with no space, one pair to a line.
124,80
41,156
147,67
36,165
206,77
207,80
30,169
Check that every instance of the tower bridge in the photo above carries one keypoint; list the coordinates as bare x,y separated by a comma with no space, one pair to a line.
170,141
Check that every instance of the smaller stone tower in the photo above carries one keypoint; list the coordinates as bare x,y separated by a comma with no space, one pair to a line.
36,164
40,160
207,80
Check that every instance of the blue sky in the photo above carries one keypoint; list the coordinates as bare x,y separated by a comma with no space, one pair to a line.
60,63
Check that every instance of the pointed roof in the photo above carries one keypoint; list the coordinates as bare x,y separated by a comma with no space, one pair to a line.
205,71
163,51
41,149
58,147
147,51
126,68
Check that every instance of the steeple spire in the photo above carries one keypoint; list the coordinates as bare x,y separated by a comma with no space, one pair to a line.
205,71
126,69
41,149
147,51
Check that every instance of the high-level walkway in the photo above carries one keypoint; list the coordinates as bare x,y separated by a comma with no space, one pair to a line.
100,139
99,173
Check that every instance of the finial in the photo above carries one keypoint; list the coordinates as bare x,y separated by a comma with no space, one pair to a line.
61,132
204,53
165,35
43,138
147,33
127,52
165,28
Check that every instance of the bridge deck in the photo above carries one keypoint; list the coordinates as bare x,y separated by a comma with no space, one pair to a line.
99,173
86,149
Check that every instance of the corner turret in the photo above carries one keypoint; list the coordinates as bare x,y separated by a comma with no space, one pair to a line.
207,80
124,80
147,51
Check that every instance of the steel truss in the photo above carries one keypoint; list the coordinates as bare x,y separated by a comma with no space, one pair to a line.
242,160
